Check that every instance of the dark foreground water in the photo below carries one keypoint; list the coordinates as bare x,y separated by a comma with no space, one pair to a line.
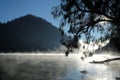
54,67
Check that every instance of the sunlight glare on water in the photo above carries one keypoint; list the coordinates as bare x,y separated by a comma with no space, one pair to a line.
98,57
56,67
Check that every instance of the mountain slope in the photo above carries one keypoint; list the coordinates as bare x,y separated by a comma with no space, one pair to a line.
28,33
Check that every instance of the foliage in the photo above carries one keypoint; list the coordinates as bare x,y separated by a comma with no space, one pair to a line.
88,18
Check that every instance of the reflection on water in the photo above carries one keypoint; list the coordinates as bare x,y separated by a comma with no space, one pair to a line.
54,67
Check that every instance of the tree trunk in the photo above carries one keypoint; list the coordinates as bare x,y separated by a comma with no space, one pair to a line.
104,61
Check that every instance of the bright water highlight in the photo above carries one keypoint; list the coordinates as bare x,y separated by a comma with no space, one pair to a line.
54,67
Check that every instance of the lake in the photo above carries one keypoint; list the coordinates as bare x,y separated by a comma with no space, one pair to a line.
54,67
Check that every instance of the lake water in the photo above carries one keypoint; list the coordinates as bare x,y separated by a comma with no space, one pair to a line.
54,67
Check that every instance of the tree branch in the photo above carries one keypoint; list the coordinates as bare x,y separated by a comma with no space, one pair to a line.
97,12
107,60
92,23
100,20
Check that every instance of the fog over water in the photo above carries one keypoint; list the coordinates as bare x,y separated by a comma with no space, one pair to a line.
52,66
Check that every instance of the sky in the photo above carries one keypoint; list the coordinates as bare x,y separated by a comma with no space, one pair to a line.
11,9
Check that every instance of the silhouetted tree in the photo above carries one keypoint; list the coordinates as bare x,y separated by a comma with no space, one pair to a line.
88,18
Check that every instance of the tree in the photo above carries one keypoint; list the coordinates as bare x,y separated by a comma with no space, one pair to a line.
85,18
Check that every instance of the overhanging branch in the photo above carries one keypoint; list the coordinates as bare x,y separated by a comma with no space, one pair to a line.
91,23
96,12
104,61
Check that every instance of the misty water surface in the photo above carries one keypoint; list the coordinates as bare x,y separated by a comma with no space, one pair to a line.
54,67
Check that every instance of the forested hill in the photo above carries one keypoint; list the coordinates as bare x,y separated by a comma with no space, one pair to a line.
28,33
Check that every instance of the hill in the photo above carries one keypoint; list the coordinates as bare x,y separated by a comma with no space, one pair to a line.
28,33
